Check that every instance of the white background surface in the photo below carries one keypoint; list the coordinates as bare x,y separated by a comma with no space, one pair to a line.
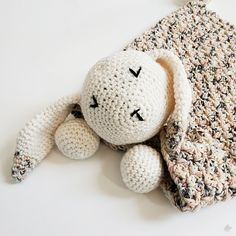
46,48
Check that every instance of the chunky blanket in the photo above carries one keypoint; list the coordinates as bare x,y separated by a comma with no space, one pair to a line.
201,160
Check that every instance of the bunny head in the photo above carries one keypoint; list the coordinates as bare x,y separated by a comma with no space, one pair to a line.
127,97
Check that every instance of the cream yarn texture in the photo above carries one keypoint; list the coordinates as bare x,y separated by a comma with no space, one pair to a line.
127,97
180,84
141,169
36,139
76,140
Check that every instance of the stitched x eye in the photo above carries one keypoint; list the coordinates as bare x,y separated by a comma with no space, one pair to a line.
136,112
95,103
135,73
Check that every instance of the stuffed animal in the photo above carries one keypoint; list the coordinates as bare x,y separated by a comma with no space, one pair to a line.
126,99
140,102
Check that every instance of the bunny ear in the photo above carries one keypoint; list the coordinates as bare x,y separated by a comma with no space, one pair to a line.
177,122
182,89
36,139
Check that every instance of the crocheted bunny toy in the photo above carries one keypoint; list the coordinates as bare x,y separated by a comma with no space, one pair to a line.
126,100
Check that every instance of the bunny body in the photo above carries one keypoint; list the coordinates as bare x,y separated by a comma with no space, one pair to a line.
126,100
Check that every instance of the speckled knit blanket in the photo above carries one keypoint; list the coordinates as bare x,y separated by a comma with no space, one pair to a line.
201,162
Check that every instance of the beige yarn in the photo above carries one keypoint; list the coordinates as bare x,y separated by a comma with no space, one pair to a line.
36,139
76,140
119,102
119,94
200,159
110,95
141,169
182,88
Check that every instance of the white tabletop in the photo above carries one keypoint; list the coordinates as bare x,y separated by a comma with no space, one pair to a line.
46,48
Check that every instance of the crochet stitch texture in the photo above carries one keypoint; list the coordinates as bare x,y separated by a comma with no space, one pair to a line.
139,164
76,140
126,99
198,140
36,139
201,162
126,109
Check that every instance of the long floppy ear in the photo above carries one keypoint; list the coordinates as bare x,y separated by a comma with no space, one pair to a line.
36,139
182,94
181,85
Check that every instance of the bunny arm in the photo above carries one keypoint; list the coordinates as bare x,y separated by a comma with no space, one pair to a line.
36,139
141,168
76,140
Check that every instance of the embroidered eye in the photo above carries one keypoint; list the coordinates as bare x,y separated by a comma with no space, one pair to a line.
136,112
135,73
95,103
